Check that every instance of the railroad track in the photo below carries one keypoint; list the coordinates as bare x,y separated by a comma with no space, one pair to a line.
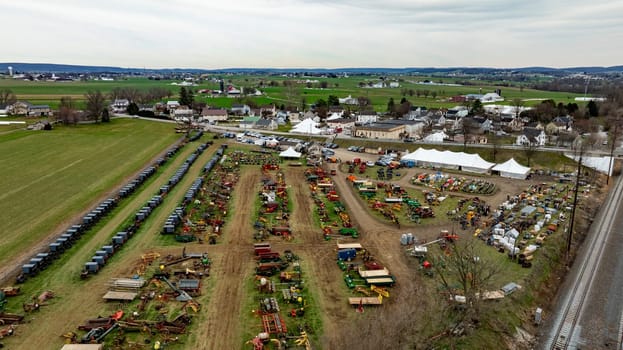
563,335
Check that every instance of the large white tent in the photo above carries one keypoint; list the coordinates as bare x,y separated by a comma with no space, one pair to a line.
512,169
436,137
306,126
290,153
601,164
449,160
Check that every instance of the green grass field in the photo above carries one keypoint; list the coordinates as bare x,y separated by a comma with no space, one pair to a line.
49,177
43,92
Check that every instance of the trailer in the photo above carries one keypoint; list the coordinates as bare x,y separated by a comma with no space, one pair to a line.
355,301
346,254
261,248
373,273
381,281
356,246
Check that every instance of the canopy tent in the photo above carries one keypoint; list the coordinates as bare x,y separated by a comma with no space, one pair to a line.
290,153
512,169
306,126
601,164
449,160
436,137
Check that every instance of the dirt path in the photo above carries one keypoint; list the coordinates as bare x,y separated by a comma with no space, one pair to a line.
231,267
302,221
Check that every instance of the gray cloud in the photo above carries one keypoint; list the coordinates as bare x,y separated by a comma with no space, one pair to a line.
314,33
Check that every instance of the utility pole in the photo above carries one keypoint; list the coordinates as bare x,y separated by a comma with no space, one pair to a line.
575,202
614,141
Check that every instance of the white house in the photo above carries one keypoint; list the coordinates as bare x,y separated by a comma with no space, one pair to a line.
491,97
120,105
173,105
240,109
348,100
367,117
394,84
532,136
183,114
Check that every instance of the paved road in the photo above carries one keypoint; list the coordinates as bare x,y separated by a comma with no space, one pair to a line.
588,314
618,152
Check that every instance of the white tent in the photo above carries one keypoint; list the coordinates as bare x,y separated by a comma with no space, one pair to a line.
290,153
601,164
449,160
306,126
512,169
436,137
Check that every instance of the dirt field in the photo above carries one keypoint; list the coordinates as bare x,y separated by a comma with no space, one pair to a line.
218,325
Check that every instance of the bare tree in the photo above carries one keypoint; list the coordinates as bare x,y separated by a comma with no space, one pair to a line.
7,97
66,110
529,149
96,103
464,272
468,128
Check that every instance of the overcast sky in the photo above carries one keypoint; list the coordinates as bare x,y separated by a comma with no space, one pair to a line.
313,33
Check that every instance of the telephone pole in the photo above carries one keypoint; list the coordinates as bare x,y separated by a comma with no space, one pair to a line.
575,202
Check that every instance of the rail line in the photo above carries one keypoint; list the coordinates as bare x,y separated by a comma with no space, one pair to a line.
565,323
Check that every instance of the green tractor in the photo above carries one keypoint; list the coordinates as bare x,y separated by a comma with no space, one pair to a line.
348,231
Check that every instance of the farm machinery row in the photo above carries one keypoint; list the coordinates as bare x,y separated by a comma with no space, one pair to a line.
332,213
445,183
155,310
274,212
101,256
205,203
363,275
281,300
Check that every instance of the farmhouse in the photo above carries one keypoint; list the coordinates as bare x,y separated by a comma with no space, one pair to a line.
173,105
563,123
39,111
19,108
367,117
266,123
239,109
380,131
491,97
213,114
348,100
120,105
183,113
532,136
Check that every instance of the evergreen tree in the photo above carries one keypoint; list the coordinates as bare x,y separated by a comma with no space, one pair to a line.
184,97
106,116
132,109
391,105
592,108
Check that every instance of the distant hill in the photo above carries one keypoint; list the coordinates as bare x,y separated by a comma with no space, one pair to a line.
65,68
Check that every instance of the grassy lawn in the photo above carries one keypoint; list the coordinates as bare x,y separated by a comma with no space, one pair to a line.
43,92
49,177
